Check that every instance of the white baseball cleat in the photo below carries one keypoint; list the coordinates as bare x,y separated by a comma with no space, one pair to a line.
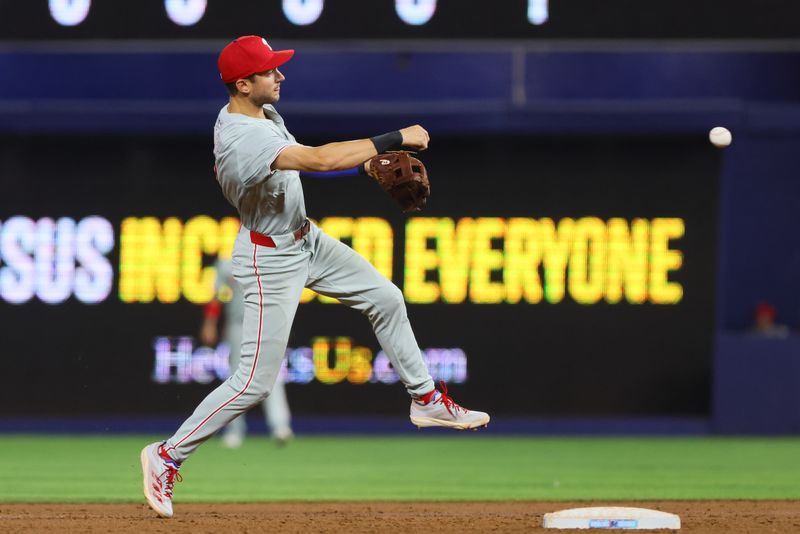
439,409
282,436
160,473
232,440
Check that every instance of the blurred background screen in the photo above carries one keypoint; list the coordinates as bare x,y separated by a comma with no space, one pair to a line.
587,273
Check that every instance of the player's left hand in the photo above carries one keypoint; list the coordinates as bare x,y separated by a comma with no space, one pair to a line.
403,176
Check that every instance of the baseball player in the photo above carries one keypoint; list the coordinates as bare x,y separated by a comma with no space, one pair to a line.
278,252
276,407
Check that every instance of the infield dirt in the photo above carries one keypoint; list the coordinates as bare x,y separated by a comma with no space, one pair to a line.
696,516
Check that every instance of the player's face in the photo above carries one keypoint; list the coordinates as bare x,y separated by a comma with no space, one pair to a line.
266,87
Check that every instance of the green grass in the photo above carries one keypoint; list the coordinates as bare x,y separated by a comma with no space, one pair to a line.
457,467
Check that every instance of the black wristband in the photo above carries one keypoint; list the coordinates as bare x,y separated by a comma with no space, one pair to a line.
388,141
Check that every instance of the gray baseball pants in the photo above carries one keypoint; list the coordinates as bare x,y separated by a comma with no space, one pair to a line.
272,280
275,406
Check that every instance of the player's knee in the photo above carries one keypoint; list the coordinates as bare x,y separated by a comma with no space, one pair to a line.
391,300
262,395
256,393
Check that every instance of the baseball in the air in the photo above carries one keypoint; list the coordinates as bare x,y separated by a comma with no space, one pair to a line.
720,137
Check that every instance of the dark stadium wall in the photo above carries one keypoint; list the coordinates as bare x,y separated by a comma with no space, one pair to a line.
756,375
651,92
759,241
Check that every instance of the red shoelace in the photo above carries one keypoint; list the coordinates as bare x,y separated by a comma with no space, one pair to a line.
448,401
172,475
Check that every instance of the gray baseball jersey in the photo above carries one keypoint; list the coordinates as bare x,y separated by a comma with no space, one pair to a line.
269,202
274,271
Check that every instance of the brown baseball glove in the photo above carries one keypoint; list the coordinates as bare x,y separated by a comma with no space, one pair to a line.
403,176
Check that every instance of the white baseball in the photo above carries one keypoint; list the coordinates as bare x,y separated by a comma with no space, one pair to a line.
720,137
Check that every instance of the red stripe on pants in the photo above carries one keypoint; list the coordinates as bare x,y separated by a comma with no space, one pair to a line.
255,359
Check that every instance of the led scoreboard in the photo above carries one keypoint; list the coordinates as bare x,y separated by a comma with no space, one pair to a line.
581,284
397,19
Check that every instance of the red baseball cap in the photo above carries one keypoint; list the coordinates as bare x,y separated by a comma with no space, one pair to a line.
248,55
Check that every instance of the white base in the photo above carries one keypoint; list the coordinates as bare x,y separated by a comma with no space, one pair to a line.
611,517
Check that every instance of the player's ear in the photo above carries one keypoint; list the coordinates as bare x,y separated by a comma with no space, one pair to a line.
243,85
